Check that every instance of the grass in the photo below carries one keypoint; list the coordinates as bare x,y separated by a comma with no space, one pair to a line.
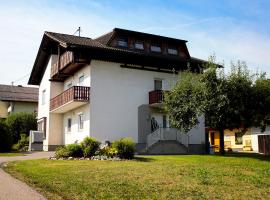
11,154
150,177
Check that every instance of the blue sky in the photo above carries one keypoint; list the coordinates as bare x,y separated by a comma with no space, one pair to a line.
232,29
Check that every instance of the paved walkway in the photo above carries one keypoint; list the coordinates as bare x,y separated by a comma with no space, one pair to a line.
13,189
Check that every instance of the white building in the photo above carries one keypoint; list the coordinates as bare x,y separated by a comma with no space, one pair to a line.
111,87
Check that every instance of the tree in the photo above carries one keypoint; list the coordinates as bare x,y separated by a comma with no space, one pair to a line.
5,137
225,100
21,123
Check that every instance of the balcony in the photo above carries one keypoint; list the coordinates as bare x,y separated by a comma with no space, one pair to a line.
156,98
72,98
69,62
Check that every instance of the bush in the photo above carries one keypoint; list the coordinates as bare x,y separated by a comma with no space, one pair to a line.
62,152
23,143
125,148
5,137
19,123
75,150
89,146
108,151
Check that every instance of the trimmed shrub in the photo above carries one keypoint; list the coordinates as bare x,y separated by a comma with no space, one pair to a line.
125,148
5,137
19,123
62,152
89,146
108,151
23,143
75,150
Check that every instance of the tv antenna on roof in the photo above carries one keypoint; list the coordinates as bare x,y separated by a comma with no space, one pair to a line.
78,30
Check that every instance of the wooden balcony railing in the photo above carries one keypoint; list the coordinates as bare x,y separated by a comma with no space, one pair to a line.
65,59
75,93
156,96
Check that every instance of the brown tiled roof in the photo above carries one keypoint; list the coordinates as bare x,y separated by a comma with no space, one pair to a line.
67,40
18,93
100,49
104,39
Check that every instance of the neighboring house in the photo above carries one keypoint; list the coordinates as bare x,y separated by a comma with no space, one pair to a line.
250,140
112,87
17,99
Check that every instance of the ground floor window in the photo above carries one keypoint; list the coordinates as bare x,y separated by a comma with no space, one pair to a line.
69,122
238,138
80,121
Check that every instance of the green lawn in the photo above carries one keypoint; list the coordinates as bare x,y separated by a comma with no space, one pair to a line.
11,154
150,177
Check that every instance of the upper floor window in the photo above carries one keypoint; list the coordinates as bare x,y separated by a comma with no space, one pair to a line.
81,80
139,44
158,84
172,51
155,47
69,85
122,42
43,97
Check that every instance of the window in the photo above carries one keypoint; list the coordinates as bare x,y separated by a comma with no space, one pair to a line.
69,85
164,119
69,123
155,47
80,121
122,42
81,80
139,45
172,51
239,138
158,84
43,100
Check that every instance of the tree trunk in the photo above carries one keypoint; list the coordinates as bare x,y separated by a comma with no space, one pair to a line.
221,142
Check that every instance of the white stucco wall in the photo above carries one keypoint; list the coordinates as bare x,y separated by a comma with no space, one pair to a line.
76,135
116,94
30,107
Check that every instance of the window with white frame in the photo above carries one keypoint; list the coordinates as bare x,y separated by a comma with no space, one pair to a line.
122,42
81,80
157,84
172,51
139,44
155,47
43,97
80,121
69,85
69,124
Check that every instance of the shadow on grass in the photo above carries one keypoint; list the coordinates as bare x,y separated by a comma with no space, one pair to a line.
143,159
248,155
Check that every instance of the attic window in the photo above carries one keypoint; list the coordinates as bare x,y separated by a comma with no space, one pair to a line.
172,51
139,45
122,42
155,47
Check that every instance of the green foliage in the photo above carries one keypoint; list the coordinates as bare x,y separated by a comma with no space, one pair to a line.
89,146
108,151
19,123
261,101
62,152
183,103
5,137
75,150
125,148
23,143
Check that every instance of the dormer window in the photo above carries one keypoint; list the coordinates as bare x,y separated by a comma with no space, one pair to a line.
172,51
155,47
139,45
122,42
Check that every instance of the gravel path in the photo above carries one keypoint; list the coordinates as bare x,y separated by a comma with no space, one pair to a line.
13,189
